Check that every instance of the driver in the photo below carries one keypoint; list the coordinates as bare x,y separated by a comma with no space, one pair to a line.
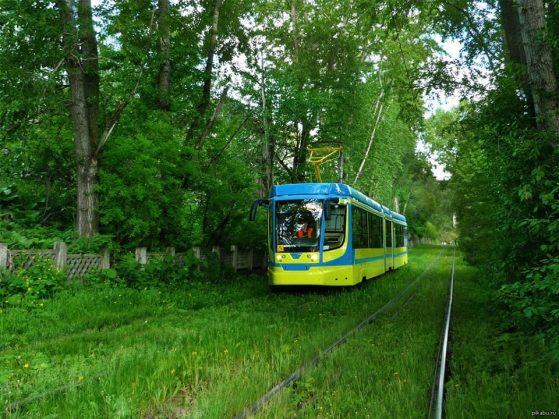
305,231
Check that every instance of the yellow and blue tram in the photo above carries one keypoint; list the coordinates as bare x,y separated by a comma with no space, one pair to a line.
330,234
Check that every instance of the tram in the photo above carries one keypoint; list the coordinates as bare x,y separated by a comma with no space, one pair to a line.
330,234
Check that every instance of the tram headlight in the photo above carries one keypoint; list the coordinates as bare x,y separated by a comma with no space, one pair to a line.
278,258
314,258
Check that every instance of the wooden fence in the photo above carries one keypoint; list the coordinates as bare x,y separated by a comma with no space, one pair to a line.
78,264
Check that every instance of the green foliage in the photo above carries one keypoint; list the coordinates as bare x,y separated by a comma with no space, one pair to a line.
29,287
139,186
506,198
93,244
41,237
157,186
160,271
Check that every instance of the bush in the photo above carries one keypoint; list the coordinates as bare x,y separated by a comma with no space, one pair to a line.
160,270
27,287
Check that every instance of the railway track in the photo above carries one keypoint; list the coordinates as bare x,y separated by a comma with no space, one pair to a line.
437,390
399,301
390,310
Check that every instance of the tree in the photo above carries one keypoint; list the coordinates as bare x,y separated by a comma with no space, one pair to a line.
164,75
81,57
539,64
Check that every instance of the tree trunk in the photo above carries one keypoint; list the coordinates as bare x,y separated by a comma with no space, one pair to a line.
267,146
90,66
300,159
84,89
294,31
87,220
539,64
514,48
396,204
208,74
164,76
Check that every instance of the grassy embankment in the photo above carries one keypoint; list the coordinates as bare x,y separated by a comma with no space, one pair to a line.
208,350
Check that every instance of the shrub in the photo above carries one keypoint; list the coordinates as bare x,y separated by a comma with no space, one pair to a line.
160,270
27,287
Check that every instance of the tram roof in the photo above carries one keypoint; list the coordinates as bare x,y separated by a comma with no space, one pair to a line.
335,190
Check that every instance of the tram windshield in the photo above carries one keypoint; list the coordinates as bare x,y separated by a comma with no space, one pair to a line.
298,225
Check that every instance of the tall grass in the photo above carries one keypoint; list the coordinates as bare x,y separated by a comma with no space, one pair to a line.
203,350
496,371
384,371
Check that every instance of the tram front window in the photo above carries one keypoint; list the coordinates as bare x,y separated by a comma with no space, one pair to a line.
298,225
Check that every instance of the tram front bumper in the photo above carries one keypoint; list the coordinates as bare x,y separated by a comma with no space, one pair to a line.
314,275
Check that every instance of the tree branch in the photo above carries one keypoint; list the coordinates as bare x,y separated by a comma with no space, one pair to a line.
362,165
228,143
212,120
282,164
122,104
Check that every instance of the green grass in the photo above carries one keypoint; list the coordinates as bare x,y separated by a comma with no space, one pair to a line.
386,370
209,350
206,350
495,372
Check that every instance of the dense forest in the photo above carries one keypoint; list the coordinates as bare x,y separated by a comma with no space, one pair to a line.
157,123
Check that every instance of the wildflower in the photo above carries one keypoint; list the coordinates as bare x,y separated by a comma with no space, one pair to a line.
173,371
80,378
26,365
194,353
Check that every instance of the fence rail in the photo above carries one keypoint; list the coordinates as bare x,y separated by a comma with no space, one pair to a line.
76,265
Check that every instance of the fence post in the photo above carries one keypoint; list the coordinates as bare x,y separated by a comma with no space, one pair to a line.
3,255
105,262
235,257
217,251
60,254
170,251
142,255
196,251
250,259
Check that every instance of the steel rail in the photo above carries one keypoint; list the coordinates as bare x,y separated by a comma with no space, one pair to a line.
437,392
297,374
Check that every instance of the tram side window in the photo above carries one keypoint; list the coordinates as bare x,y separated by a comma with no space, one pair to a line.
375,231
335,228
399,235
359,228
402,236
389,234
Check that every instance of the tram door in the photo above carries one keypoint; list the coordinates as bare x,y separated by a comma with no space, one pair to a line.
389,259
